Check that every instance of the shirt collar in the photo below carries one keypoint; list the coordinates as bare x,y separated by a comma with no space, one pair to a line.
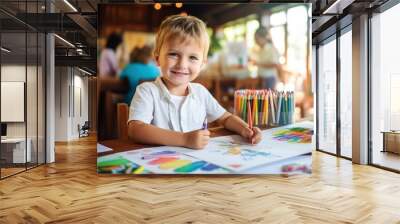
165,92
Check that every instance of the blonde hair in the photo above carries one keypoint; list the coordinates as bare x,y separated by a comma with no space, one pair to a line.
179,26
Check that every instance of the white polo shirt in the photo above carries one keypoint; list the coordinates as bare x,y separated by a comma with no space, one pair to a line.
153,104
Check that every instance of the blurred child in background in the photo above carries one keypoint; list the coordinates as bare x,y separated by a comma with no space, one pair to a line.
139,69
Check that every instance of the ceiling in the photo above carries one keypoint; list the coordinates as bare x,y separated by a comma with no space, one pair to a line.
77,22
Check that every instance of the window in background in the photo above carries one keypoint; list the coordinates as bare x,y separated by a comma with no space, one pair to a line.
278,22
295,19
394,101
297,39
278,18
251,27
22,66
327,96
278,38
235,32
314,89
13,72
241,30
346,94
385,84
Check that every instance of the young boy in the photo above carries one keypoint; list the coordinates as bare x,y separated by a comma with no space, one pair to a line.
171,110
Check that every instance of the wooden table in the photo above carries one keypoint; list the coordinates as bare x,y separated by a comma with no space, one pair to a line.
118,145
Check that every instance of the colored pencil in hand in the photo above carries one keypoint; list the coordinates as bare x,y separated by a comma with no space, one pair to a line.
205,126
250,119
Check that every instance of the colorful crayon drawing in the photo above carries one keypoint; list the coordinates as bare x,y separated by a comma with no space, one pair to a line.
238,148
294,135
234,154
248,154
235,141
164,153
162,160
119,165
227,150
235,165
190,167
244,153
174,164
167,161
222,155
210,167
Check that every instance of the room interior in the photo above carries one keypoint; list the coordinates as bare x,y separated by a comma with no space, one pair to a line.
49,89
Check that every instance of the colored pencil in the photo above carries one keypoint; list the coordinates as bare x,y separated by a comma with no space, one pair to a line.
249,118
264,107
205,125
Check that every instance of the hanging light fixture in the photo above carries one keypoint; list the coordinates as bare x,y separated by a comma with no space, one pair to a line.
157,6
5,50
70,5
178,5
84,71
64,40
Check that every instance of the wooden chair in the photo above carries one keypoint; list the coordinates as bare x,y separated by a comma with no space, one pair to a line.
223,89
123,115
109,91
122,119
83,131
206,82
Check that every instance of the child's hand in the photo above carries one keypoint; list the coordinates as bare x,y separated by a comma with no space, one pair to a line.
254,135
196,139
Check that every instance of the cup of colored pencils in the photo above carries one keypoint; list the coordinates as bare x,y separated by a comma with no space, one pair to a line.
268,108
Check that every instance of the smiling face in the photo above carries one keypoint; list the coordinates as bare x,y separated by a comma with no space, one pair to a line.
180,61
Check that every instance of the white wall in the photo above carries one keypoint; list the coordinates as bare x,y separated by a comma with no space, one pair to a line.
61,103
80,97
17,73
70,83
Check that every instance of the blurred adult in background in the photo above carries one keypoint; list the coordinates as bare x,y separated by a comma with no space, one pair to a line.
140,68
266,57
108,63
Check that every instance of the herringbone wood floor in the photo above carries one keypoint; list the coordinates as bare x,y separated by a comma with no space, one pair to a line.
70,191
